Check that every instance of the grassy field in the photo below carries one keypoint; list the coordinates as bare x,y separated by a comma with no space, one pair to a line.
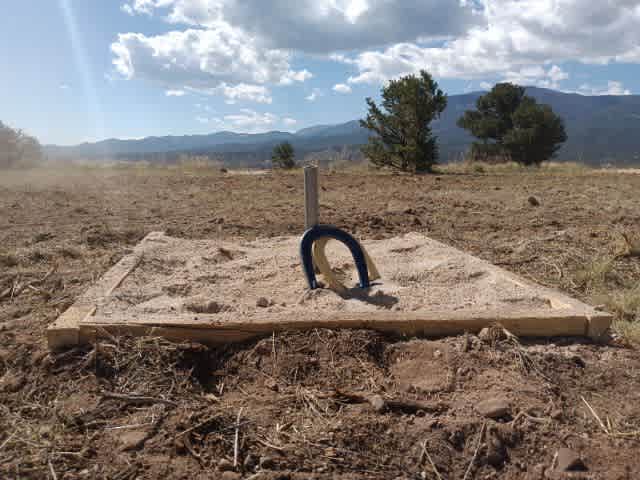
567,227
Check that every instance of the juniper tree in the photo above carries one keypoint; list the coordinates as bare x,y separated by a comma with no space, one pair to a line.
509,123
283,156
403,137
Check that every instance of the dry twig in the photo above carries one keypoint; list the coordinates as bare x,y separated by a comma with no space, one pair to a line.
475,453
137,399
236,439
425,452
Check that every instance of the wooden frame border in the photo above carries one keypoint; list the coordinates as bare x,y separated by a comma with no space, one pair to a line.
77,325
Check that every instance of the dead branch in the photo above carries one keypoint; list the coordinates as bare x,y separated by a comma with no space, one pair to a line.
475,453
236,440
137,399
425,452
16,289
395,404
633,248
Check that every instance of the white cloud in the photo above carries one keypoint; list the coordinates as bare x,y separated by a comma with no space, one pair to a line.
242,91
613,88
486,86
246,120
234,42
314,95
537,76
143,6
174,93
251,121
342,88
221,59
323,26
517,35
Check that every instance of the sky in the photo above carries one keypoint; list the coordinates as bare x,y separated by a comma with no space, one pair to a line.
86,70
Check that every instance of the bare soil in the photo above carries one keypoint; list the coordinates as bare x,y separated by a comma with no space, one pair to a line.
321,404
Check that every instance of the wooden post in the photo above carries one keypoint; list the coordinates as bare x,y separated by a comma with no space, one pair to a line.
311,205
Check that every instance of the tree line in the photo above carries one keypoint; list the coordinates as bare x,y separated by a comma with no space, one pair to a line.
17,148
508,125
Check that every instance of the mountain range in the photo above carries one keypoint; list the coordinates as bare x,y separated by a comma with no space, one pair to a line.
601,129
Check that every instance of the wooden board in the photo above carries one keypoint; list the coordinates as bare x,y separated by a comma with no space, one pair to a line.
81,323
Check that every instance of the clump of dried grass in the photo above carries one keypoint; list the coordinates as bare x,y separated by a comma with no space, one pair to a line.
625,305
8,260
595,275
148,365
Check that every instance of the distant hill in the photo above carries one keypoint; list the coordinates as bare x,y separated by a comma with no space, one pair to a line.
601,129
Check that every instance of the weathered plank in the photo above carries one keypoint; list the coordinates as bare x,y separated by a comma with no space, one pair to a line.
207,330
84,321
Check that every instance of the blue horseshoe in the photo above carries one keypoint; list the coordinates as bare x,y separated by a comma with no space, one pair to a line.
319,231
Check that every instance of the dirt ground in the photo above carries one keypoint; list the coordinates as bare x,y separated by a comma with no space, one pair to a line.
321,404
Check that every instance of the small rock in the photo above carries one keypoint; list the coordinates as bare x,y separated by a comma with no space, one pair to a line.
267,462
225,465
11,382
492,334
496,453
271,384
201,305
395,206
377,402
132,440
493,408
262,302
228,475
556,414
569,461
533,201
179,445
250,462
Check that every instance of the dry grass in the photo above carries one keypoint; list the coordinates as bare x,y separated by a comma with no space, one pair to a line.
8,260
480,168
595,276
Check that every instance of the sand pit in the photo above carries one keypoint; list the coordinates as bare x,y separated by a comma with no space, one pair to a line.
220,291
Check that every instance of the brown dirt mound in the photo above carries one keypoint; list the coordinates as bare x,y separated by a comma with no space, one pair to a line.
306,404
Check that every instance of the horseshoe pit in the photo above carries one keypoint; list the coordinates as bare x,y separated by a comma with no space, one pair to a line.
216,292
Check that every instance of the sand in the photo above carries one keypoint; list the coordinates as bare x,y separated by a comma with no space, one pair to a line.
239,280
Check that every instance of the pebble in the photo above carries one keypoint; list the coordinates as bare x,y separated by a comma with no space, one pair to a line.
492,334
496,453
377,402
493,408
199,305
225,465
569,461
533,201
267,462
250,461
228,475
262,302
11,382
132,440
